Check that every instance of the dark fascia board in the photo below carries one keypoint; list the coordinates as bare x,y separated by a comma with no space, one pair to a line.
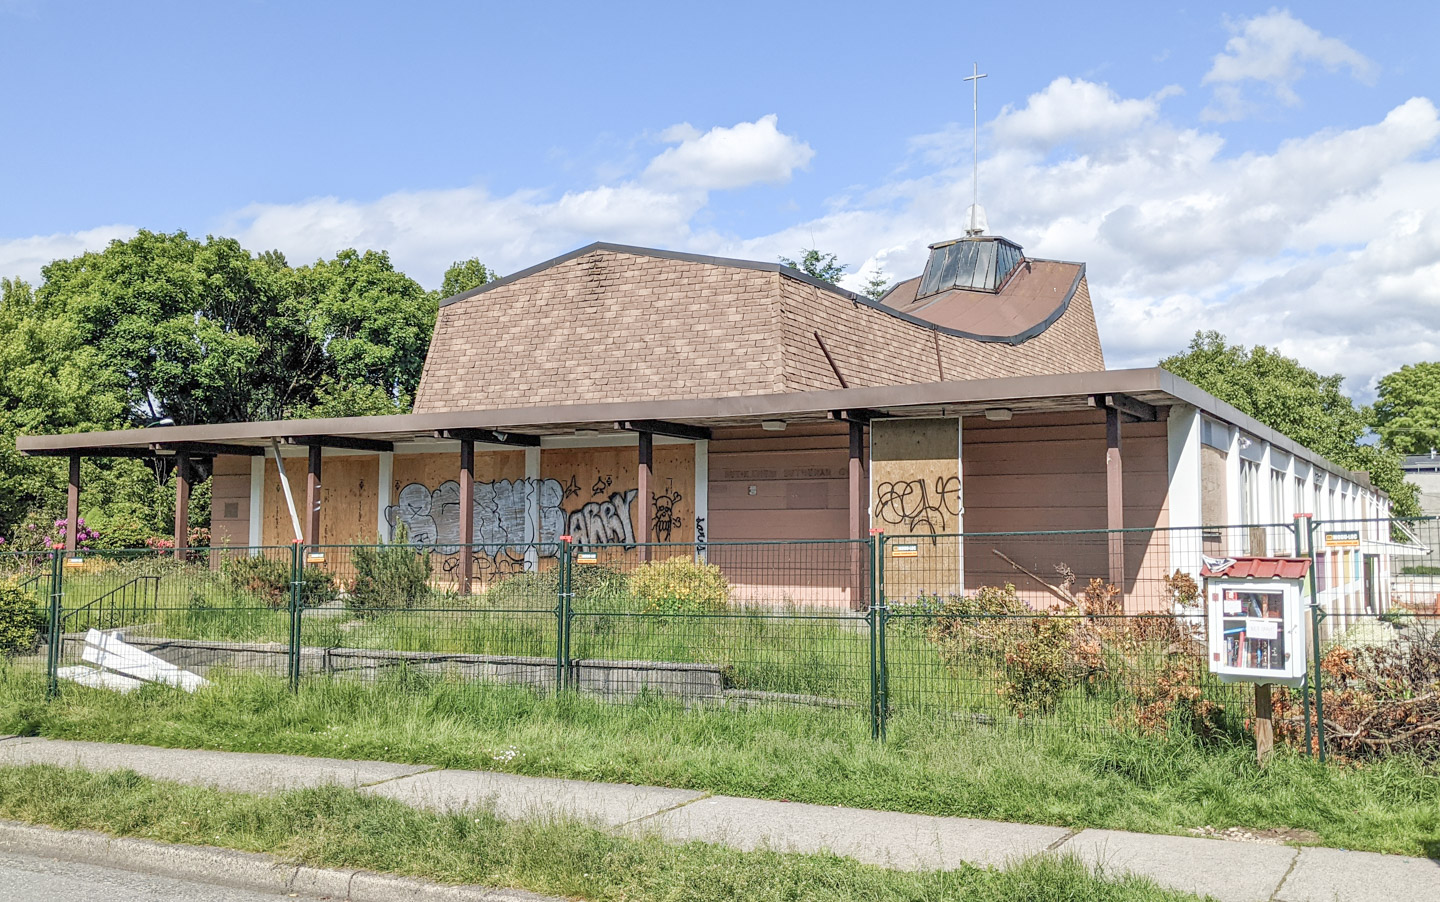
791,273
980,392
661,427
208,449
342,442
490,437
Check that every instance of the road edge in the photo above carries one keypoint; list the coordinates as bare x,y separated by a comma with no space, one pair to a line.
242,870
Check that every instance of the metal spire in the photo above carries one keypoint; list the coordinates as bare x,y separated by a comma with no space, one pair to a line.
976,218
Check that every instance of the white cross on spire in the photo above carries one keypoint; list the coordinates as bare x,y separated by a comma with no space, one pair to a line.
975,223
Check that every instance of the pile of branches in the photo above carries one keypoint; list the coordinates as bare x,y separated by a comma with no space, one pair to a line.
1384,699
1155,663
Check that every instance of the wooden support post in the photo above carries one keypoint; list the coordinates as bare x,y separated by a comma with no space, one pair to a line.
642,495
1264,724
72,506
1114,499
859,524
182,503
467,513
312,498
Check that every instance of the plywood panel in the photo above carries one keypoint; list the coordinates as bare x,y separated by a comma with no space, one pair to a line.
348,500
916,490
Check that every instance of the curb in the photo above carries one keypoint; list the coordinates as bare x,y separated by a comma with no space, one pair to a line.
243,870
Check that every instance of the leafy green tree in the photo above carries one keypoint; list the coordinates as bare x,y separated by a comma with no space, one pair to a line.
53,382
464,275
361,322
204,332
1407,409
826,267
876,285
1296,401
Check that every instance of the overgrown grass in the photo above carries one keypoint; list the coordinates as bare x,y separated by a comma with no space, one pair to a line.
1107,779
334,827
795,650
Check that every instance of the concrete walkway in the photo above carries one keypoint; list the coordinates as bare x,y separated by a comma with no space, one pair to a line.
1231,871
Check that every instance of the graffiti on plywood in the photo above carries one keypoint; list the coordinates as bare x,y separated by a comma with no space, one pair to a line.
513,514
601,486
916,506
604,522
663,519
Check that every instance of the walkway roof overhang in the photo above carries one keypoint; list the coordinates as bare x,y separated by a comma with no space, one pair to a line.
1018,394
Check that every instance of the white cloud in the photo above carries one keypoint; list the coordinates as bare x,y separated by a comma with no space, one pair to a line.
1328,246
1275,48
1070,110
724,158
427,230
24,257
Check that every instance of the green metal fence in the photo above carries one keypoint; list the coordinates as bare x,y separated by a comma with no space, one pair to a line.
1077,631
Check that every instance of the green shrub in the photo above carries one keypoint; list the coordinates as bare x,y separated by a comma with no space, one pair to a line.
594,585
680,585
21,621
269,580
266,578
392,577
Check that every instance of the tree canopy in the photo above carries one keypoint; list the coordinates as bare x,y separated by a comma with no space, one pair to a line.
464,275
204,332
826,267
1407,409
1297,401
165,328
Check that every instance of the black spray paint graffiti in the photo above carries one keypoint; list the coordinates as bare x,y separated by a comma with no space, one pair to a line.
663,520
700,544
604,522
917,507
572,488
602,483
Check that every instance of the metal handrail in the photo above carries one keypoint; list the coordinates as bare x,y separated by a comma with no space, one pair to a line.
134,585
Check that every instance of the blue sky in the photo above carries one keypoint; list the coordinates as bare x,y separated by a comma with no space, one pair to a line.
1268,172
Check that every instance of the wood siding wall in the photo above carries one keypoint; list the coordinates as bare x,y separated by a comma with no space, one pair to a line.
230,501
1047,472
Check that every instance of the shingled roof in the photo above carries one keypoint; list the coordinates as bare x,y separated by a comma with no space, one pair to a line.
617,323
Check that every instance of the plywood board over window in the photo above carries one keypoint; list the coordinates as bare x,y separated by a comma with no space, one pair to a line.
917,499
348,493
591,478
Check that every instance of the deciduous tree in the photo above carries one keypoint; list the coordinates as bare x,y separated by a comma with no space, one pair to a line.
1297,401
1407,409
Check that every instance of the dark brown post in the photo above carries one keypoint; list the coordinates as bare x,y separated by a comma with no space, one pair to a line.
647,462
467,512
1264,724
182,503
858,525
72,506
312,498
1114,498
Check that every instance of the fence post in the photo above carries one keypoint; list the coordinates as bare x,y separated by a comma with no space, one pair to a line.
52,653
881,609
562,617
871,614
297,577
1301,551
1316,615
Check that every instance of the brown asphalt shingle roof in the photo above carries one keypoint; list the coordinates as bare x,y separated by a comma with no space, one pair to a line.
616,323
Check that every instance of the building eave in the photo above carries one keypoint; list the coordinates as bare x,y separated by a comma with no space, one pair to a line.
1045,393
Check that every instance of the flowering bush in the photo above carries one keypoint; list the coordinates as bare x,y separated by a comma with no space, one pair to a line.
680,585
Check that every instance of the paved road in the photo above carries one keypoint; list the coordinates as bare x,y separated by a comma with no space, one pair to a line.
24,878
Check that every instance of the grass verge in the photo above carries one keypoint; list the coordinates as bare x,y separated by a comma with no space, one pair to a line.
334,827
1096,780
